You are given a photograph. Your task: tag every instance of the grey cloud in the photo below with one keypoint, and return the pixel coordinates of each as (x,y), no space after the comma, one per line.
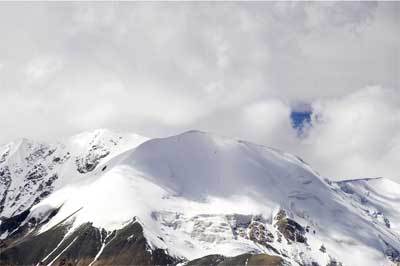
(160,68)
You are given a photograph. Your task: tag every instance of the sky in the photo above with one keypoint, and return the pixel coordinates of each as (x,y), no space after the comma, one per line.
(237,69)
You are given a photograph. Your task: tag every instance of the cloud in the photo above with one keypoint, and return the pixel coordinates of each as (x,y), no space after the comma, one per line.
(41,68)
(356,135)
(236,69)
(351,136)
(266,119)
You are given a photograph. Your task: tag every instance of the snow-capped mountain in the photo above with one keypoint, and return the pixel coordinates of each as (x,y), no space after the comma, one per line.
(30,171)
(104,198)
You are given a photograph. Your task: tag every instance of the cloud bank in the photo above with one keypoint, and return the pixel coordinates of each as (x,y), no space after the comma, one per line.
(236,69)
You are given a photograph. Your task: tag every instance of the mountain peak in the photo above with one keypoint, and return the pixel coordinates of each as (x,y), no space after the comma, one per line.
(195,194)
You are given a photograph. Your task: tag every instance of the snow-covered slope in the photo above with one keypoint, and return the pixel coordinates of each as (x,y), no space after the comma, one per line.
(197,194)
(30,171)
(378,198)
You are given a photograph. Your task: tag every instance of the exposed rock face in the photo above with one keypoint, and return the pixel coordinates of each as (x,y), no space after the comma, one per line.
(259,233)
(245,259)
(129,247)
(30,171)
(251,227)
(13,223)
(5,154)
(86,245)
(289,228)
(89,162)
(99,149)
(32,249)
(5,182)
(21,227)
(27,174)
(334,263)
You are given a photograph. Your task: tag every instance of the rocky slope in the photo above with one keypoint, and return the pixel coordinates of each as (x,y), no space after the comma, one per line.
(101,198)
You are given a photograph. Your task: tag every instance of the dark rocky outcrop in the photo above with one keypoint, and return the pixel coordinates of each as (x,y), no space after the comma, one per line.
(289,228)
(32,249)
(89,162)
(129,247)
(260,234)
(20,227)
(244,259)
(333,262)
(126,246)
(4,155)
(12,223)
(5,182)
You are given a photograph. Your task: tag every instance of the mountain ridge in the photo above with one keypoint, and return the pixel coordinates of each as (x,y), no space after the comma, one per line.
(196,194)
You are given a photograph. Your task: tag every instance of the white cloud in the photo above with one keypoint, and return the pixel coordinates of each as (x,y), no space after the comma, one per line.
(42,67)
(356,135)
(268,119)
(232,68)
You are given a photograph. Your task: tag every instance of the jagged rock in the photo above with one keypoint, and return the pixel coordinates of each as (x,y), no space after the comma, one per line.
(4,155)
(259,233)
(92,159)
(99,149)
(289,228)
(37,172)
(334,262)
(251,227)
(38,151)
(280,215)
(5,182)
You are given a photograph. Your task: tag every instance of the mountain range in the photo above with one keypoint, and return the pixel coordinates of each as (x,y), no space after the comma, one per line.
(110,198)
